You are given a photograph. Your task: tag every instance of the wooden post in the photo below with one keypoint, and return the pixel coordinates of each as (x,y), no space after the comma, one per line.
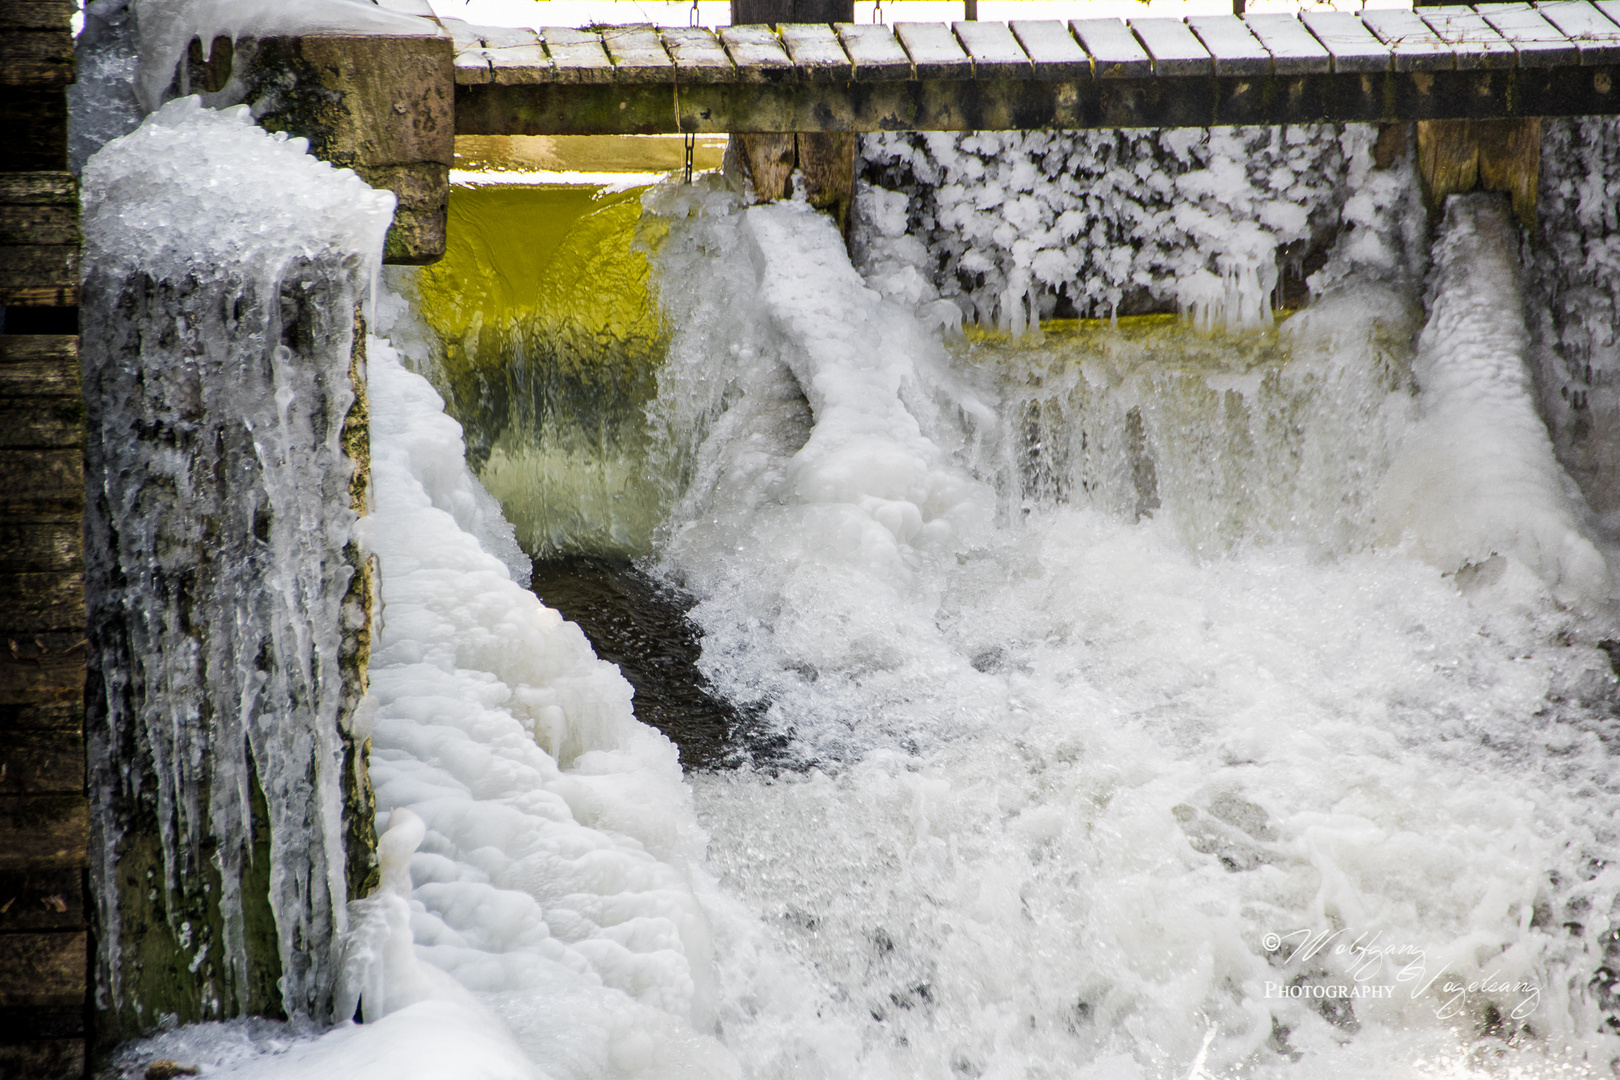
(1455,156)
(44,814)
(825,160)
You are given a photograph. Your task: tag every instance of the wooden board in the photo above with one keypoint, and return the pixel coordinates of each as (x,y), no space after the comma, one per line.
(1352,46)
(995,50)
(1415,46)
(876,54)
(758,54)
(577,55)
(1175,50)
(1596,37)
(1051,47)
(1235,50)
(43,831)
(638,55)
(934,51)
(1475,43)
(1115,53)
(1294,50)
(43,968)
(698,55)
(36,58)
(515,55)
(36,15)
(1535,41)
(816,53)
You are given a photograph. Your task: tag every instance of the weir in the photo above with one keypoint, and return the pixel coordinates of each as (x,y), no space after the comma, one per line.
(1041,632)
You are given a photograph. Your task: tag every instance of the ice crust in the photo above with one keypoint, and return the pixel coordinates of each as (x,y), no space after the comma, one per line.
(1006,223)
(222,270)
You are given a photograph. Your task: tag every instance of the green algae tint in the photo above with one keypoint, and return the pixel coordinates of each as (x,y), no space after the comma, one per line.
(550,346)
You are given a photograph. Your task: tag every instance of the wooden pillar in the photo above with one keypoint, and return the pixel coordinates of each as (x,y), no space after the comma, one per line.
(44,814)
(825,159)
(1455,156)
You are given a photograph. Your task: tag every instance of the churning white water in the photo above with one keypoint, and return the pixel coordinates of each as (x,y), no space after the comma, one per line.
(1162,704)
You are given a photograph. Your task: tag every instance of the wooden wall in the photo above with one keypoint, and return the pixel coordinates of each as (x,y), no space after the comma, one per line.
(44,815)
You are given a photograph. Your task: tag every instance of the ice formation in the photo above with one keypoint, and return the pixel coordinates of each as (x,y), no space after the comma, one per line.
(218,345)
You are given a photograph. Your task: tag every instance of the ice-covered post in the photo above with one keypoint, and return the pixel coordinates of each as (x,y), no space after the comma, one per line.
(825,159)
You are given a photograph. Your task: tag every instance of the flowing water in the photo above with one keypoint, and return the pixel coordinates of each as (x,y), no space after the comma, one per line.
(1146,698)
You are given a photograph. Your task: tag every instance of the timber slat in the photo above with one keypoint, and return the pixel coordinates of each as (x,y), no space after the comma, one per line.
(41,832)
(43,968)
(758,54)
(1174,48)
(42,899)
(1352,46)
(39,188)
(934,51)
(1536,42)
(577,55)
(39,763)
(638,56)
(44,1059)
(41,543)
(995,50)
(1115,52)
(39,275)
(1596,37)
(1416,47)
(37,223)
(1235,50)
(54,421)
(1294,50)
(515,55)
(41,601)
(36,15)
(40,349)
(816,53)
(41,477)
(1475,43)
(1052,49)
(699,56)
(877,56)
(36,58)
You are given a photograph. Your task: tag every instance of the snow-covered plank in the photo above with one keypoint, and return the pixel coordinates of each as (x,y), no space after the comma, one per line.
(995,51)
(638,56)
(1537,42)
(1416,47)
(758,54)
(1174,48)
(515,55)
(1052,48)
(934,50)
(1115,52)
(471,65)
(877,55)
(1294,50)
(1596,37)
(577,55)
(1235,50)
(1476,43)
(1611,8)
(697,54)
(1352,46)
(816,53)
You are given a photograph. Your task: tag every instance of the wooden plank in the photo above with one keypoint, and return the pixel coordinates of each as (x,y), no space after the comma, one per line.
(759,55)
(43,899)
(934,51)
(38,602)
(41,543)
(43,968)
(1352,46)
(638,56)
(41,422)
(41,349)
(1474,41)
(816,53)
(1294,50)
(515,55)
(995,50)
(1052,49)
(39,763)
(36,58)
(1115,53)
(1415,46)
(1235,50)
(36,15)
(43,1059)
(577,56)
(1536,42)
(34,223)
(42,681)
(42,477)
(471,65)
(1611,8)
(699,56)
(1596,37)
(1174,48)
(43,831)
(877,56)
(52,188)
(45,276)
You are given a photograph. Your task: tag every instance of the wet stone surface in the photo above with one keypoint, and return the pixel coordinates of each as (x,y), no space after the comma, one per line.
(640,624)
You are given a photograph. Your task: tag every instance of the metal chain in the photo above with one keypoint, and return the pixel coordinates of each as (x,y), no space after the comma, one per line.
(692,17)
(690,140)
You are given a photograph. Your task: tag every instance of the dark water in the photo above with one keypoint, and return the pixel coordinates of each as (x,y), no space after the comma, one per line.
(640,624)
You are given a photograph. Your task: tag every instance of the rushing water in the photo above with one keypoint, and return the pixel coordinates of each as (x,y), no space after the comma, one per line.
(1138,699)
